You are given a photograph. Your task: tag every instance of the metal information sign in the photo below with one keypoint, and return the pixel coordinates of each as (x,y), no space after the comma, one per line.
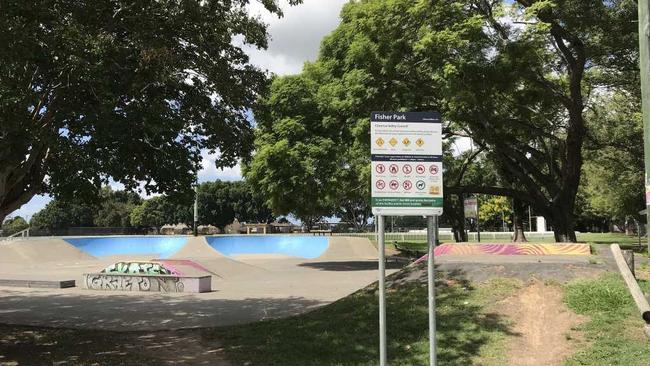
(406,159)
(471,208)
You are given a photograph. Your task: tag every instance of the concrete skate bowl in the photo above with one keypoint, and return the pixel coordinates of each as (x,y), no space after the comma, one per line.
(160,247)
(307,247)
(289,275)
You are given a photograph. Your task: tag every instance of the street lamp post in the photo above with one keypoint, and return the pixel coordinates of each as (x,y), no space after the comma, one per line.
(644,57)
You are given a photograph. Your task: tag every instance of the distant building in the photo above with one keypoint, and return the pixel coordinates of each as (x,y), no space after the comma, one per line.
(264,228)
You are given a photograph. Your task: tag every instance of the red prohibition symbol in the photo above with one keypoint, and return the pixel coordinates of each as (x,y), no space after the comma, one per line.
(380,168)
(420,169)
(380,184)
(394,185)
(407,185)
(393,169)
(433,169)
(407,169)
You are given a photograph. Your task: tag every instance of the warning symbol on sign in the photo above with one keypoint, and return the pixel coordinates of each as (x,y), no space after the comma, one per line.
(407,185)
(392,141)
(380,168)
(433,169)
(406,141)
(394,185)
(407,169)
(420,185)
(380,184)
(380,142)
(420,169)
(419,142)
(393,169)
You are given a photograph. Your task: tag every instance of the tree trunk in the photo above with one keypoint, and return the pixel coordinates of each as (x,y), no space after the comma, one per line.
(519,210)
(454,212)
(563,226)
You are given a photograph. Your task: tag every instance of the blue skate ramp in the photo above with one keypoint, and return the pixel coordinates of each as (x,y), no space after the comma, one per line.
(163,247)
(308,247)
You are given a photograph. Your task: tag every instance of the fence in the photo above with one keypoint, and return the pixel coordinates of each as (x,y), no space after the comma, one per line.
(445,236)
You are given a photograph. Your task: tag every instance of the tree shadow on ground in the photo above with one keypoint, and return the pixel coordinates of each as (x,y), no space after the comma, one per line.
(57,344)
(141,311)
(350,265)
(346,332)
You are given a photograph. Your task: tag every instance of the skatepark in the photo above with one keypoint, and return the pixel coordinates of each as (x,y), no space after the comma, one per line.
(252,278)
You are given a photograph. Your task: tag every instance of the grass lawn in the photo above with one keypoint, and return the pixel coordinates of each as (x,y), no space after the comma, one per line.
(614,333)
(346,332)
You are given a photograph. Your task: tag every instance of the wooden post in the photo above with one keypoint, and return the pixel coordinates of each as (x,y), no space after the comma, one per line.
(628,255)
(632,285)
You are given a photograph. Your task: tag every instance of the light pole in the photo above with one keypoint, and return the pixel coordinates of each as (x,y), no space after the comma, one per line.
(644,57)
(196,208)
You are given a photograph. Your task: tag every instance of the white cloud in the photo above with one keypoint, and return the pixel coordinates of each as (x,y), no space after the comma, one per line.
(209,171)
(296,37)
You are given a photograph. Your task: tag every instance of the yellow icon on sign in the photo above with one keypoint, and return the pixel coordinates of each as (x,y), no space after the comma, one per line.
(380,142)
(419,142)
(392,141)
(406,141)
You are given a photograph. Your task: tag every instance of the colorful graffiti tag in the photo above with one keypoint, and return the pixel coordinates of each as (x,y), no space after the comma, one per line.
(148,268)
(102,281)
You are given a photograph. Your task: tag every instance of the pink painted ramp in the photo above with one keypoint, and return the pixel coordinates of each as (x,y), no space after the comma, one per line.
(510,249)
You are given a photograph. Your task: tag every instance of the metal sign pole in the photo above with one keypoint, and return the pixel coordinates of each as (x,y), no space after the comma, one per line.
(432,225)
(382,292)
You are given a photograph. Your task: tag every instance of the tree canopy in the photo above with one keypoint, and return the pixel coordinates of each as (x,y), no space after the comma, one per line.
(515,77)
(128,90)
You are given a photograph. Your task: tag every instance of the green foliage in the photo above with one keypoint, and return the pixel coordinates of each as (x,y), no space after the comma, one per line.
(614,330)
(494,209)
(607,295)
(219,204)
(109,209)
(128,90)
(613,182)
(60,214)
(14,225)
(159,211)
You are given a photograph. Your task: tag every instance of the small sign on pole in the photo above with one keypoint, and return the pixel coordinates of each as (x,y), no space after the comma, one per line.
(406,157)
(471,208)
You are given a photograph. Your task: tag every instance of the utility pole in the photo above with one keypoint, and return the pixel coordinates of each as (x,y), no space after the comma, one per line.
(196,209)
(644,57)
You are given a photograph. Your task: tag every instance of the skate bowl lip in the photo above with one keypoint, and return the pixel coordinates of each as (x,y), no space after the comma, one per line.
(163,246)
(298,246)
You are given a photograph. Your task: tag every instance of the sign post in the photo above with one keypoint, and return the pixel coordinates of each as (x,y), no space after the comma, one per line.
(406,157)
(470,206)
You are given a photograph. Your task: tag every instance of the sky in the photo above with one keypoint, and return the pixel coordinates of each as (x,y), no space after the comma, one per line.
(295,39)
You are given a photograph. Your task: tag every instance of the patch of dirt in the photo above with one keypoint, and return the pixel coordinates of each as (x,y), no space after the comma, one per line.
(543,323)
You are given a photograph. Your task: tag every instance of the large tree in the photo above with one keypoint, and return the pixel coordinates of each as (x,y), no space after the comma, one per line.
(515,77)
(132,90)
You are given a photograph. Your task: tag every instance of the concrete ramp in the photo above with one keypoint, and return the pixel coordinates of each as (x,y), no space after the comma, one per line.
(196,247)
(346,248)
(41,251)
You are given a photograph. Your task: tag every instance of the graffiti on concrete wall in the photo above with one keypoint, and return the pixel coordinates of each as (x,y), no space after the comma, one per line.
(149,268)
(103,281)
